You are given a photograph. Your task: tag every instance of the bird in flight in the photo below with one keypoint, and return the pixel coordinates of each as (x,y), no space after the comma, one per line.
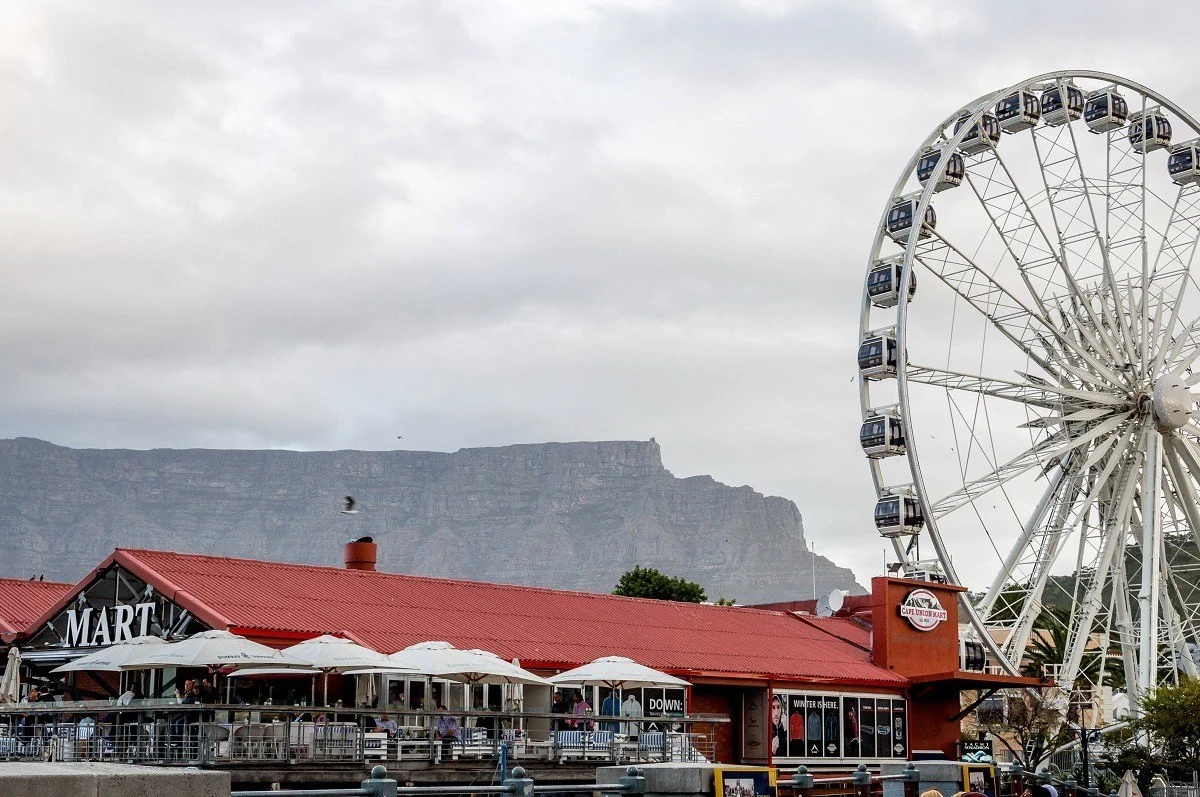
(349,506)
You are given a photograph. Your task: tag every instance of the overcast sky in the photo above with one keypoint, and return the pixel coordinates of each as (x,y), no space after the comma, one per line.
(323,225)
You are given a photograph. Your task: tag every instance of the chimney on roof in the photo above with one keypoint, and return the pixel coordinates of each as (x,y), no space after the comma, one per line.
(361,554)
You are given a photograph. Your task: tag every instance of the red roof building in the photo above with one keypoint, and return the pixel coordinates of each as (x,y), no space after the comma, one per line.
(797,687)
(22,602)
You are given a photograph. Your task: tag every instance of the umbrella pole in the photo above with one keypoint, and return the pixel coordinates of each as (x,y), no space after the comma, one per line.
(312,697)
(325,687)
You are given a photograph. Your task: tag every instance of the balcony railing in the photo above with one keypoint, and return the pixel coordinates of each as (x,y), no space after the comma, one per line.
(196,734)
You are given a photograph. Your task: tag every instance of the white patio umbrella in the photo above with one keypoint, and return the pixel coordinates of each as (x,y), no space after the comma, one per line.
(111,658)
(616,672)
(334,654)
(254,672)
(10,684)
(443,660)
(209,649)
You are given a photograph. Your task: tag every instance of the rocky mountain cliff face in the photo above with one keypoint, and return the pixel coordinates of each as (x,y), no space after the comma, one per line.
(572,515)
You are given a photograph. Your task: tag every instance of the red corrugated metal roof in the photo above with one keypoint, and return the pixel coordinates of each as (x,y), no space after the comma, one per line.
(855,632)
(22,602)
(549,629)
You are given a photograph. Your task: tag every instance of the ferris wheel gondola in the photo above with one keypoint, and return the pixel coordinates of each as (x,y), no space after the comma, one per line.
(884,280)
(1062,103)
(877,356)
(982,134)
(1045,375)
(900,218)
(1105,110)
(1149,130)
(1183,164)
(1019,111)
(950,177)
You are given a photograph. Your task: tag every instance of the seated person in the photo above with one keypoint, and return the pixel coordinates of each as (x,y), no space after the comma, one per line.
(386,724)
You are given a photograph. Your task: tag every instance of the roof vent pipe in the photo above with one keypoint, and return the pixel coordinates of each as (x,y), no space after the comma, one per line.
(361,554)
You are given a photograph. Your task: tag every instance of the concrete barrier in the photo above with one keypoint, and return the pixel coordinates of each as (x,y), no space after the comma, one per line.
(21,779)
(668,779)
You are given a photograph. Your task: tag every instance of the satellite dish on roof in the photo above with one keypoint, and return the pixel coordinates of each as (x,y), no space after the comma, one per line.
(836,600)
(823,608)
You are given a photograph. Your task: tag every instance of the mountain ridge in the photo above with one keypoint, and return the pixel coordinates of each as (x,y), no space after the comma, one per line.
(583,513)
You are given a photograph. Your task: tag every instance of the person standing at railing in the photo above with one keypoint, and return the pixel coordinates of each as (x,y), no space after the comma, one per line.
(446,730)
(189,695)
(557,706)
(581,707)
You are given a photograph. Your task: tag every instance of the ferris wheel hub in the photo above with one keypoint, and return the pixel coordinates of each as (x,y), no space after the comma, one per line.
(1173,402)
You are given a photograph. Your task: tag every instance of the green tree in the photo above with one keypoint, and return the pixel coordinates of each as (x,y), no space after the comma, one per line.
(646,582)
(1028,722)
(1171,714)
(1048,645)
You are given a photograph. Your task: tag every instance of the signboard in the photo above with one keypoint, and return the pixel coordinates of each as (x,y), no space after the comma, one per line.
(806,726)
(976,748)
(744,782)
(923,610)
(114,607)
(980,778)
(107,625)
(754,724)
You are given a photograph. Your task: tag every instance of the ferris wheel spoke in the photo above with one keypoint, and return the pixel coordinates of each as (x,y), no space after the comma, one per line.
(1042,453)
(1039,261)
(1002,583)
(1036,566)
(1011,316)
(1124,206)
(1173,263)
(1042,395)
(1183,498)
(1119,494)
(1081,242)
(1184,349)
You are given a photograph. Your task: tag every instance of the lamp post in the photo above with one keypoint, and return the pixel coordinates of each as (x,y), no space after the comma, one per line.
(1085,736)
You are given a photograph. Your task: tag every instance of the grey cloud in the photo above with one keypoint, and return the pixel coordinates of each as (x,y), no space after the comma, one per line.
(472,224)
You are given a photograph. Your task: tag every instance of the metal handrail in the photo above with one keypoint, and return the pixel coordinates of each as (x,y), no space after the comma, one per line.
(519,785)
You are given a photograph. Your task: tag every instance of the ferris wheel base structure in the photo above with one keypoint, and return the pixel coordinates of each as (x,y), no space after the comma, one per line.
(1044,371)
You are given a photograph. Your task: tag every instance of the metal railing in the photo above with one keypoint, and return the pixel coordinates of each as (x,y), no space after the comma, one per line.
(519,784)
(1172,790)
(862,783)
(205,735)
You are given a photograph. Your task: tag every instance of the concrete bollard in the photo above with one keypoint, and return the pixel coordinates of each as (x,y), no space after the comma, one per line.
(380,783)
(802,782)
(634,781)
(1016,779)
(862,781)
(912,780)
(519,785)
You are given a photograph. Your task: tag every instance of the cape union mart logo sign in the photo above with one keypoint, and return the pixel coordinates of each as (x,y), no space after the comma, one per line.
(923,610)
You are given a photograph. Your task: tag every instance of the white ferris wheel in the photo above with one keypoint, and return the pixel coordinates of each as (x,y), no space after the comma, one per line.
(1027,412)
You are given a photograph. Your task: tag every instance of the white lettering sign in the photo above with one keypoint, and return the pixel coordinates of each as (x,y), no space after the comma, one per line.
(96,627)
(669,706)
(78,625)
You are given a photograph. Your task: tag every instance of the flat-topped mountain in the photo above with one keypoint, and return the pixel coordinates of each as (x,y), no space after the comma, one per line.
(573,515)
